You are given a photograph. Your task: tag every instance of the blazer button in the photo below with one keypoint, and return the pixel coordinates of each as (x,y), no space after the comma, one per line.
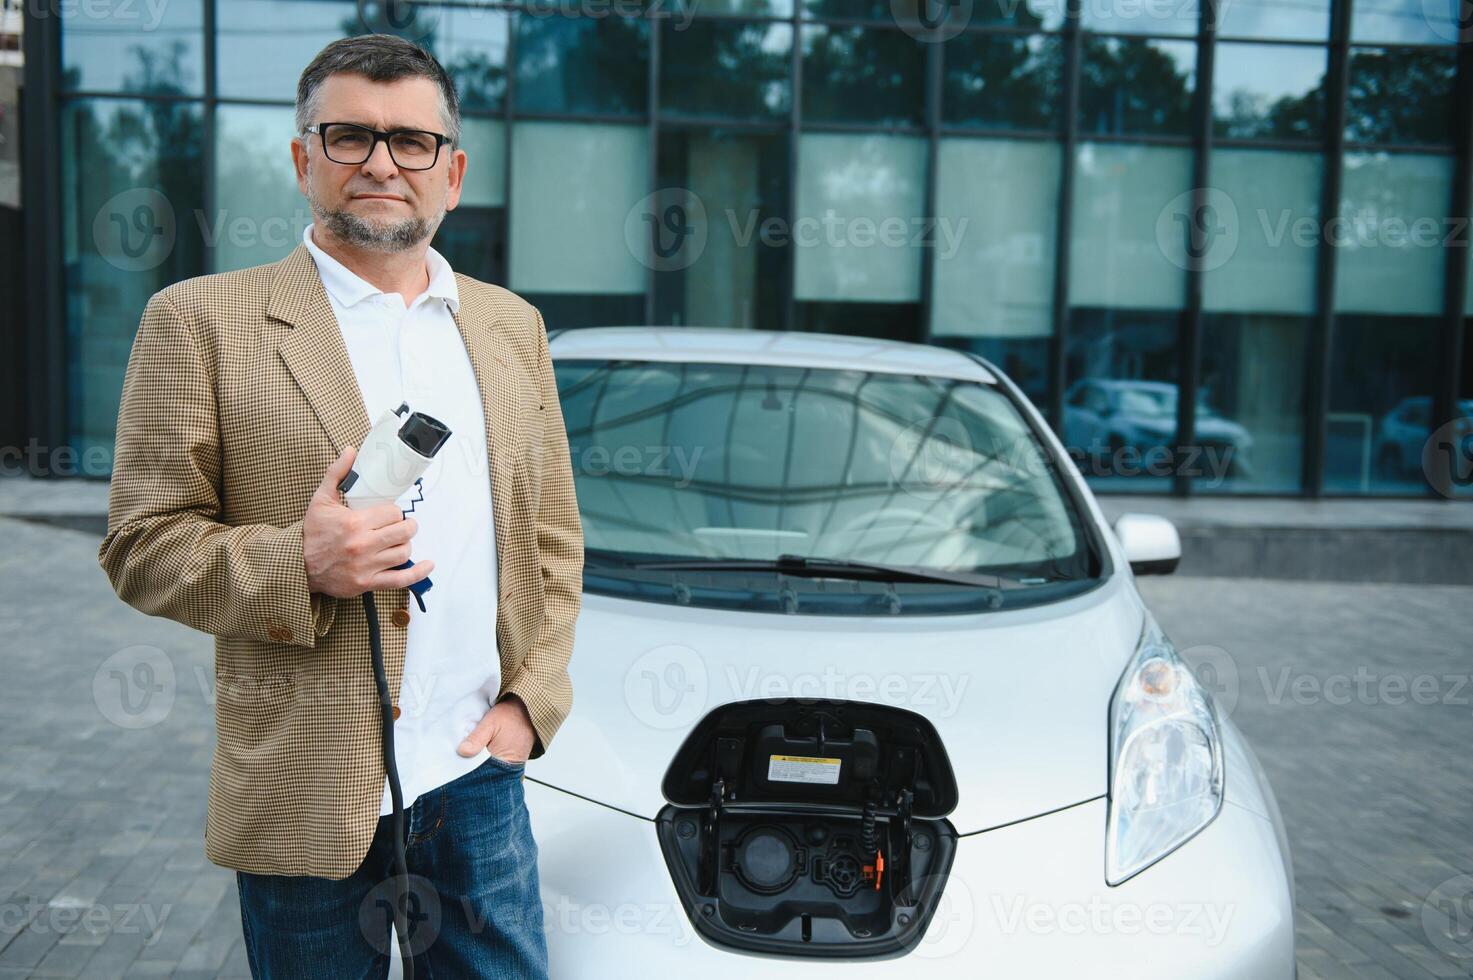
(400,617)
(396,712)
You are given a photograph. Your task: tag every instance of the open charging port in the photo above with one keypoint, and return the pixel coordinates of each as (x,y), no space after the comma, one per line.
(810,828)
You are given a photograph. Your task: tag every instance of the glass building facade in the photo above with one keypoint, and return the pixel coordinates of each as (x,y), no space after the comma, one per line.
(1223,245)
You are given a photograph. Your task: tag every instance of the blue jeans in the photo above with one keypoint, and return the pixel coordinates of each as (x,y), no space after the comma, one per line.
(474,902)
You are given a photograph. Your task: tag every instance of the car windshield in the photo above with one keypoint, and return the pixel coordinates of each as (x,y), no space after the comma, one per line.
(707,464)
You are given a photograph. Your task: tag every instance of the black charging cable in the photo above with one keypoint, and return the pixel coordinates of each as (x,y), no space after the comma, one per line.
(399,446)
(401,861)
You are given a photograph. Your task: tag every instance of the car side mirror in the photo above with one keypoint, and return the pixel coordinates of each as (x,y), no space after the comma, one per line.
(1150,543)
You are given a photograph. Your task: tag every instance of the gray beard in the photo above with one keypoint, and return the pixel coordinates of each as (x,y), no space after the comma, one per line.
(352,230)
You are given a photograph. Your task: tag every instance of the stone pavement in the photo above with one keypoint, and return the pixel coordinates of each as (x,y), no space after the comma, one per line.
(102,866)
(1357,700)
(102,870)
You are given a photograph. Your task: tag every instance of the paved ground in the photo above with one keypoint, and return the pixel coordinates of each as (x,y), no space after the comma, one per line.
(1356,698)
(1350,693)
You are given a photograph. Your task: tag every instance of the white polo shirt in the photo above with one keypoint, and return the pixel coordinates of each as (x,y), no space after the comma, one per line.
(452,673)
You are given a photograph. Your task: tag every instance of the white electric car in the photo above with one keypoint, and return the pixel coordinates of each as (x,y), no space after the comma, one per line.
(864,688)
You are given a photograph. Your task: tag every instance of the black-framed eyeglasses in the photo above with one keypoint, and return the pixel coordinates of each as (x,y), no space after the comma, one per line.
(352,144)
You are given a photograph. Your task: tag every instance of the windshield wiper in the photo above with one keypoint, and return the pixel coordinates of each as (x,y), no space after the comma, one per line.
(802,566)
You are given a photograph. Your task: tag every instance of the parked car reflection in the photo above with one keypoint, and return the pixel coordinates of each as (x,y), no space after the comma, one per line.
(1122,428)
(1402,433)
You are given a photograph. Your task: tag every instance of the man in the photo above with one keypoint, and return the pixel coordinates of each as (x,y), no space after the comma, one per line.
(245,396)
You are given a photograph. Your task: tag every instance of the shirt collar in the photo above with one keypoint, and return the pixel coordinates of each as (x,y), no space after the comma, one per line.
(442,279)
(348,288)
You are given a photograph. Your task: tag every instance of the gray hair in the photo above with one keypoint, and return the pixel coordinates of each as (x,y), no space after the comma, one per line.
(379,58)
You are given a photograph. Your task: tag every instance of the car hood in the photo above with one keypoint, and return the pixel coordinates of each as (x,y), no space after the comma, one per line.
(1020,697)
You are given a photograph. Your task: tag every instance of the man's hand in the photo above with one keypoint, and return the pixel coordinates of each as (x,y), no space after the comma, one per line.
(349,552)
(505,731)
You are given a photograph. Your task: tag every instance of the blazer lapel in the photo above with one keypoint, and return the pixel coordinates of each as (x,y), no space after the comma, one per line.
(314,350)
(493,366)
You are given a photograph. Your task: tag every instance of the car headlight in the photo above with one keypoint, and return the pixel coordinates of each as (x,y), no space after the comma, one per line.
(1165,758)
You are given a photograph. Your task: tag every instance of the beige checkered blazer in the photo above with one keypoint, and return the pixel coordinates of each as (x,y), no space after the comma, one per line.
(238,396)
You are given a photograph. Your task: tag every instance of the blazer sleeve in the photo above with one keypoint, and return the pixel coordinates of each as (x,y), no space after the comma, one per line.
(542,681)
(165,552)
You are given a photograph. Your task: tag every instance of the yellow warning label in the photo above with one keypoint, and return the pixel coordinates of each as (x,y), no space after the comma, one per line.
(803,769)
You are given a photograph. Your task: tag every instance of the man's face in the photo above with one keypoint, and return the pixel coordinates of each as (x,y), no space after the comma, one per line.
(376,204)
